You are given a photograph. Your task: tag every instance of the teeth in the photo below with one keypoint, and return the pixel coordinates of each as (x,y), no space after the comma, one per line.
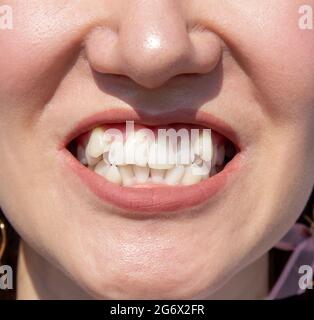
(141,174)
(184,154)
(141,159)
(116,153)
(203,145)
(161,155)
(98,143)
(101,168)
(157,175)
(91,161)
(127,175)
(174,175)
(201,168)
(141,155)
(113,175)
(190,177)
(136,149)
(130,147)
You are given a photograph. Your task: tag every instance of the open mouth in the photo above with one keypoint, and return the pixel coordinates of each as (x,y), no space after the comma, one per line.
(144,166)
(137,156)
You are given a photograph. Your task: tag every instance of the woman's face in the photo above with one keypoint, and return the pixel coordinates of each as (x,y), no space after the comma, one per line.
(243,67)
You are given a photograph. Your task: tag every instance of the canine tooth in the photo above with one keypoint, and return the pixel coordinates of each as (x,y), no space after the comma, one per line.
(189,177)
(101,168)
(157,175)
(91,161)
(81,154)
(113,175)
(174,175)
(127,175)
(141,174)
(220,155)
(96,144)
(116,153)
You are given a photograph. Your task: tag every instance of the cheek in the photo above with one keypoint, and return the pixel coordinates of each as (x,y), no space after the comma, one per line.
(35,54)
(277,56)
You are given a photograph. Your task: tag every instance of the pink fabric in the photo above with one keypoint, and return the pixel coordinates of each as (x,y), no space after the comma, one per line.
(300,240)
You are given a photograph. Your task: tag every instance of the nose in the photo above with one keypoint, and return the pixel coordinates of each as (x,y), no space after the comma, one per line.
(152,43)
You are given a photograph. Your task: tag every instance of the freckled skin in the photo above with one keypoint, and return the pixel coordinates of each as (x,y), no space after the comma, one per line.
(254,68)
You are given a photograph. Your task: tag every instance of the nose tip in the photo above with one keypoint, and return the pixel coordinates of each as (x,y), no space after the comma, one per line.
(151,50)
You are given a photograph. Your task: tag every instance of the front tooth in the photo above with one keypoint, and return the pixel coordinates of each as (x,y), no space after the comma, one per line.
(81,155)
(141,155)
(113,175)
(141,174)
(203,145)
(97,143)
(101,168)
(157,175)
(116,153)
(127,175)
(130,147)
(220,155)
(174,175)
(160,157)
(189,177)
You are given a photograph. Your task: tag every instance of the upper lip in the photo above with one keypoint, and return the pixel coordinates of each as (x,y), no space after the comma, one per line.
(115,115)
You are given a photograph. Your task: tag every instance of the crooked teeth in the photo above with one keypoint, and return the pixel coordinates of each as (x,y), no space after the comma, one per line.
(91,161)
(141,160)
(116,153)
(98,143)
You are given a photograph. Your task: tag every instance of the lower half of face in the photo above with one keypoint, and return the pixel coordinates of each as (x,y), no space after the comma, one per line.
(115,252)
(141,230)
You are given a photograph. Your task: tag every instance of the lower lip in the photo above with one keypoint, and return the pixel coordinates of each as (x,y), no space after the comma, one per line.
(154,199)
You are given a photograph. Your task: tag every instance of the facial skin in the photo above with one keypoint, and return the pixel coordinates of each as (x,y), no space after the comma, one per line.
(61,64)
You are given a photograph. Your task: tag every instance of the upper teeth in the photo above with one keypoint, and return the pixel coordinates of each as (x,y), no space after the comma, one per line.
(140,159)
